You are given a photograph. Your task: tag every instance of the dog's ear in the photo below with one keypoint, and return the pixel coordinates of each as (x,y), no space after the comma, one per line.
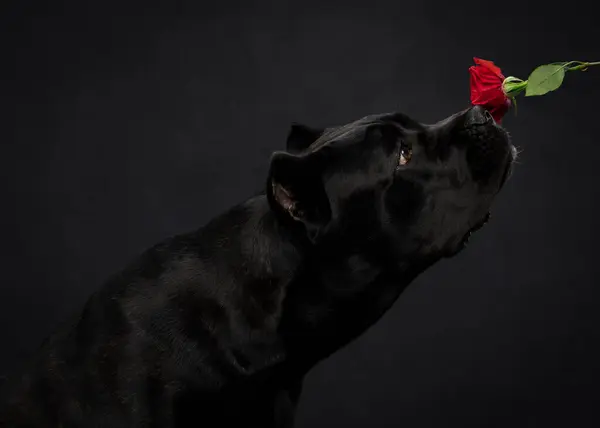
(295,190)
(301,136)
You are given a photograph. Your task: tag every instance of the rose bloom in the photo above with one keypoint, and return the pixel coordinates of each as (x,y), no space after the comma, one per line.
(486,88)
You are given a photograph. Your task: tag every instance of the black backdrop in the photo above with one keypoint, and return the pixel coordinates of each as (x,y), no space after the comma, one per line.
(124,123)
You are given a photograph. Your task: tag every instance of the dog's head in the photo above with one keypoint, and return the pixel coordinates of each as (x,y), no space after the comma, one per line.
(391,184)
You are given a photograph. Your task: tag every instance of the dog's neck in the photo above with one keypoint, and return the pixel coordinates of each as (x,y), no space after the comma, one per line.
(327,299)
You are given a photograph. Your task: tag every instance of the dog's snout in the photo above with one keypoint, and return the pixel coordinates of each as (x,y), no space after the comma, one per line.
(478,116)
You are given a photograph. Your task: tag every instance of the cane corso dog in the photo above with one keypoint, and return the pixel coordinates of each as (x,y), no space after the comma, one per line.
(218,327)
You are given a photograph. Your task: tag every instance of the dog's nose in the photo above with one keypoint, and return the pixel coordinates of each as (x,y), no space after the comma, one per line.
(478,116)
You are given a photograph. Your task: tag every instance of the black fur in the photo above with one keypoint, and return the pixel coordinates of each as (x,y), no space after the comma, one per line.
(216,328)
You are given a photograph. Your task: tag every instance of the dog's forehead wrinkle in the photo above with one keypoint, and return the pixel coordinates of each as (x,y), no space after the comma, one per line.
(404,121)
(340,132)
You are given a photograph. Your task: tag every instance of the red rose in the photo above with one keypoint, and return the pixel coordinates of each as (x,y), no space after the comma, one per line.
(486,88)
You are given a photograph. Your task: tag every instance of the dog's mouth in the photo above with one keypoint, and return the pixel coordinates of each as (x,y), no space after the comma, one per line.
(490,158)
(474,229)
(509,167)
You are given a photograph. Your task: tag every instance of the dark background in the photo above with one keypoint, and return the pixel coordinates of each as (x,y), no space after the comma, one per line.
(124,123)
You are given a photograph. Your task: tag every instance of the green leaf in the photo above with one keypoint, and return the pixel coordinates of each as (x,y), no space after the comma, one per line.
(544,79)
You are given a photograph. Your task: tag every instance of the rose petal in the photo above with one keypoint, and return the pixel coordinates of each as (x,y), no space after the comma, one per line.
(485,75)
(486,81)
(492,96)
(484,88)
(490,66)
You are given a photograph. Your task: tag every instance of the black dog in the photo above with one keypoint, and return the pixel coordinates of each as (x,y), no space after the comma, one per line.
(217,328)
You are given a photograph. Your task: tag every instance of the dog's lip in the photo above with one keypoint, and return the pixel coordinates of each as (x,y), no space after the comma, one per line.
(505,174)
(508,169)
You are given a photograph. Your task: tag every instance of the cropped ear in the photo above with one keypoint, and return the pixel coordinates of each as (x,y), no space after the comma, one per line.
(295,190)
(301,136)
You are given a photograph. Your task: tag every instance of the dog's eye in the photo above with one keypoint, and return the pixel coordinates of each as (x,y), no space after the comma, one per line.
(405,153)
